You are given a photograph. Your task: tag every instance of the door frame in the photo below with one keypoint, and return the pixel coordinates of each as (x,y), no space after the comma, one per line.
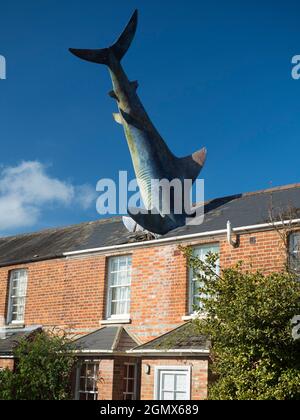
(178,368)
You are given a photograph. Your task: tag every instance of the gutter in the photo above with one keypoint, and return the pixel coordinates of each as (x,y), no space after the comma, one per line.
(31,260)
(241,229)
(168,351)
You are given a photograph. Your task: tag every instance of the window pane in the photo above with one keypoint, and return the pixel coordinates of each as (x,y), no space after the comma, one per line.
(295,252)
(181,382)
(120,293)
(168,382)
(201,253)
(180,396)
(119,281)
(90,384)
(130,383)
(125,262)
(15,274)
(87,386)
(167,395)
(114,279)
(123,278)
(131,371)
(18,286)
(83,369)
(82,384)
(119,308)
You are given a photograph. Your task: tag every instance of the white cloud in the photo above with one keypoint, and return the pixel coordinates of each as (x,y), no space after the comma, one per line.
(26,190)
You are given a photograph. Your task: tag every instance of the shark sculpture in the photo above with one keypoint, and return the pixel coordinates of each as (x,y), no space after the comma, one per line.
(151,157)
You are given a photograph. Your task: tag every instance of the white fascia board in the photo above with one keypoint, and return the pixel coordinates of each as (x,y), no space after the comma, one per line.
(177,351)
(241,229)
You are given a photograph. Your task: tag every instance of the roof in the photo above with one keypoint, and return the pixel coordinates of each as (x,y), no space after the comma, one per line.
(106,339)
(9,339)
(241,209)
(184,338)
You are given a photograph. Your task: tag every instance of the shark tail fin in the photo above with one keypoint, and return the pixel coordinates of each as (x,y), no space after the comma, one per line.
(190,166)
(119,49)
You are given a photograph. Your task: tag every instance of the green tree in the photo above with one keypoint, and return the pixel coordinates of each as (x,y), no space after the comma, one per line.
(6,384)
(247,316)
(43,368)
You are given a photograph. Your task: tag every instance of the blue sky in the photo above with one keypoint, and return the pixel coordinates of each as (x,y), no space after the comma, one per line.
(211,73)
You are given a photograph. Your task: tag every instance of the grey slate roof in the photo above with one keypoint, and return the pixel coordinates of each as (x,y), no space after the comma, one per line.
(112,338)
(241,210)
(9,339)
(185,337)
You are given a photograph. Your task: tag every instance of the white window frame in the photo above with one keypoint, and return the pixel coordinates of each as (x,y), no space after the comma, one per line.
(11,297)
(126,378)
(109,314)
(209,248)
(157,378)
(95,392)
(293,251)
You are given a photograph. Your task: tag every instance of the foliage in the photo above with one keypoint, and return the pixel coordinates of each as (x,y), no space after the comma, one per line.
(248,319)
(6,384)
(44,364)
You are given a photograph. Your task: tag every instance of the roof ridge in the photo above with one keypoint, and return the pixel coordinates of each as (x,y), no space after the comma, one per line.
(273,189)
(114,219)
(251,193)
(117,338)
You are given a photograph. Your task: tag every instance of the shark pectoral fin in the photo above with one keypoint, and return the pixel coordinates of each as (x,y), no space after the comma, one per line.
(152,220)
(118,118)
(131,120)
(113,95)
(190,166)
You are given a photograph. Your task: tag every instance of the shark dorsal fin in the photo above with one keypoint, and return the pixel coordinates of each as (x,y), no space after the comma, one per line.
(134,84)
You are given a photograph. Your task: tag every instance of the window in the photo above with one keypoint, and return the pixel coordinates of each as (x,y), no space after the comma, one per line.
(87,380)
(294,252)
(172,383)
(201,252)
(17,296)
(119,280)
(129,389)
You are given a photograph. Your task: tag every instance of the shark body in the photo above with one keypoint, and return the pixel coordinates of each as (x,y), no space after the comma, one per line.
(151,157)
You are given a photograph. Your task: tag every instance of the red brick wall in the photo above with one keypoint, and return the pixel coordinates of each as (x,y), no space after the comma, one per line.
(106,379)
(199,376)
(71,293)
(267,254)
(7,363)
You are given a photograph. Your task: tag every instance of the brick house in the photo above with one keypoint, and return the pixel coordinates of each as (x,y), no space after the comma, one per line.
(126,298)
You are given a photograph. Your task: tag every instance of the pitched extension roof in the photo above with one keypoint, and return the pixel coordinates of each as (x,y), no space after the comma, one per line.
(241,209)
(9,339)
(185,338)
(107,340)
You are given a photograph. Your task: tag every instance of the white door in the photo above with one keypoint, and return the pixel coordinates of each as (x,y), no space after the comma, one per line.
(172,383)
